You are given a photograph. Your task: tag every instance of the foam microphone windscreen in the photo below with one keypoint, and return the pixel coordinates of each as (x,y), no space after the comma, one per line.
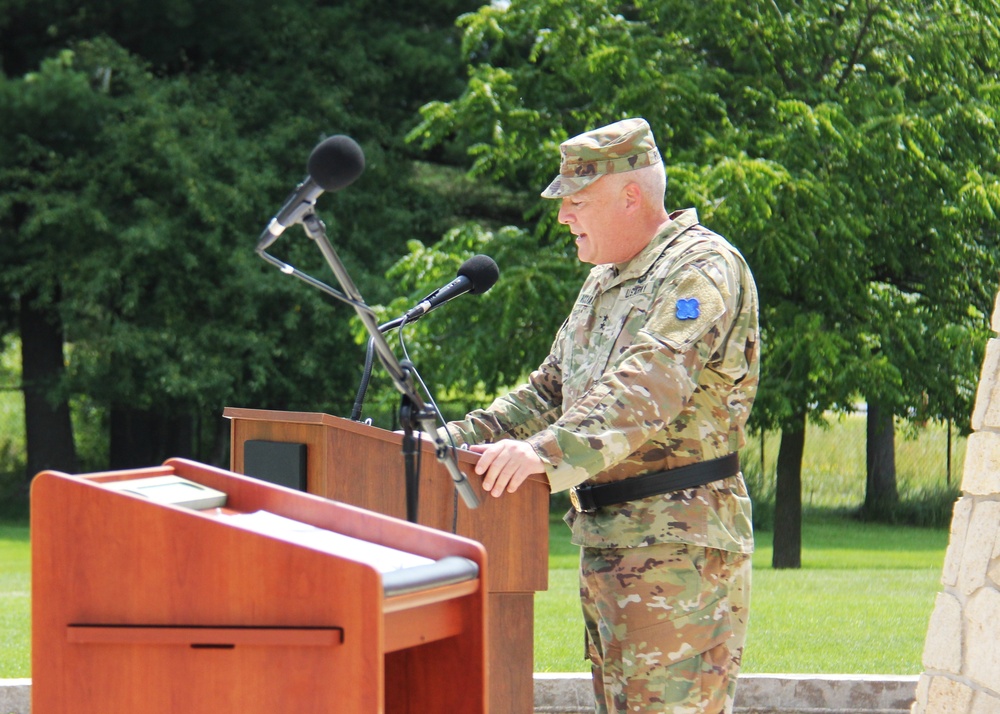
(482,272)
(336,162)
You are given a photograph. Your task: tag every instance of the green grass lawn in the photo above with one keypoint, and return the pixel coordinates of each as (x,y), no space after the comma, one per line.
(860,604)
(15,601)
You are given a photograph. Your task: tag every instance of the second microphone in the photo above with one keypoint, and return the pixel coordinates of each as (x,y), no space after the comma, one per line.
(476,275)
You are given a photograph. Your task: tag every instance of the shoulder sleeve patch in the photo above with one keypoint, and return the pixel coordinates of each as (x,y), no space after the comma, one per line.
(686,309)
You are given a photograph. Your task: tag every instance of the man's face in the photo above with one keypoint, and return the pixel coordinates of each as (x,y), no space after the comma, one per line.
(593,214)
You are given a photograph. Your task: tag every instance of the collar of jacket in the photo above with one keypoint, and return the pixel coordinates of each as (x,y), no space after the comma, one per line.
(612,274)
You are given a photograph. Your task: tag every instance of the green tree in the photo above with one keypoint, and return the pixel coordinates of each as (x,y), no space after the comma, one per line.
(848,149)
(167,137)
(48,114)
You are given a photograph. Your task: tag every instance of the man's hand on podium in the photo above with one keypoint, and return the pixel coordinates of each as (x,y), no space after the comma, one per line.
(506,464)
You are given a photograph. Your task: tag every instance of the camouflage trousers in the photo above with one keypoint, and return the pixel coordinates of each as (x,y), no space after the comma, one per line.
(666,625)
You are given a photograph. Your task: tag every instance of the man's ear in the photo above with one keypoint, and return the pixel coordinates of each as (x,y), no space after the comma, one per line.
(633,195)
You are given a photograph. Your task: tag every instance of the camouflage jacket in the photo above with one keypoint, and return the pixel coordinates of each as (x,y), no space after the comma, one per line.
(656,367)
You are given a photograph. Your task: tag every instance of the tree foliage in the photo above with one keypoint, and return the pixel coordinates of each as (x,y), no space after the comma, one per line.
(832,142)
(143,149)
(848,148)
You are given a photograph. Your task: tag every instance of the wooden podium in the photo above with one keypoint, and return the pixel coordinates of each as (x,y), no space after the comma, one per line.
(144,606)
(362,465)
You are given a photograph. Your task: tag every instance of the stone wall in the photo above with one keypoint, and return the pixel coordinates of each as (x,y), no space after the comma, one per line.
(962,650)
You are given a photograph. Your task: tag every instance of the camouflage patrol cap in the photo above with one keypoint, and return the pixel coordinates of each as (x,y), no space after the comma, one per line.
(626,145)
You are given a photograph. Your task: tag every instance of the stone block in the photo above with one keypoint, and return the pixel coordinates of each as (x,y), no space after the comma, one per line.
(947,696)
(994,570)
(986,413)
(981,473)
(980,541)
(982,646)
(943,647)
(920,697)
(995,322)
(985,703)
(960,516)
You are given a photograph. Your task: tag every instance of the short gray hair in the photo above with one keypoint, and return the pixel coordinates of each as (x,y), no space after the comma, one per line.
(652,180)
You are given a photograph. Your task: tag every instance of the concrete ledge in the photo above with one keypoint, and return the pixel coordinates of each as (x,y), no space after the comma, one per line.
(15,696)
(757,694)
(826,693)
(760,694)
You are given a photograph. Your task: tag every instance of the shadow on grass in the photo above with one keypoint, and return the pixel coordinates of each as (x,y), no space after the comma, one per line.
(836,539)
(15,531)
(832,538)
(14,502)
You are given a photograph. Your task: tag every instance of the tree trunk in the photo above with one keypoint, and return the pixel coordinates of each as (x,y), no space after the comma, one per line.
(880,488)
(142,438)
(788,496)
(47,424)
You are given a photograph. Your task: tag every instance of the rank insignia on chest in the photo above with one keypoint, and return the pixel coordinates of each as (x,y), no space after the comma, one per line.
(688,309)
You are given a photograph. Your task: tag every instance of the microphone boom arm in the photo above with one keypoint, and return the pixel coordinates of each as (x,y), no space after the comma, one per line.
(304,277)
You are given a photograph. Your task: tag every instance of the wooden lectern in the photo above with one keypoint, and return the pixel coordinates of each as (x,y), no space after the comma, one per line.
(140,605)
(362,465)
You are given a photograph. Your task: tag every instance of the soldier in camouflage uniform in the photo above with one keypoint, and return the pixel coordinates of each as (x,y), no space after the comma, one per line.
(655,368)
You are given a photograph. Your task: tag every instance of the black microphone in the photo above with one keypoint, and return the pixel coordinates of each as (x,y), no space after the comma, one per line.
(476,275)
(334,164)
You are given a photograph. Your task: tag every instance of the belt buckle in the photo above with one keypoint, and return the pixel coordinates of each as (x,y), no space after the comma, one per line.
(574,498)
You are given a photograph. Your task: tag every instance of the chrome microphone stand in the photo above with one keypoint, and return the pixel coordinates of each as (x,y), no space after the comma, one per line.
(414,413)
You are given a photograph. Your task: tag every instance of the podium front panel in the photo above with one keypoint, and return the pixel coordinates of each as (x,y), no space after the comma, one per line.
(142,606)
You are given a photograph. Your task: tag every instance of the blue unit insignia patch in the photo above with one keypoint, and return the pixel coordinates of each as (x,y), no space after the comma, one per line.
(688,309)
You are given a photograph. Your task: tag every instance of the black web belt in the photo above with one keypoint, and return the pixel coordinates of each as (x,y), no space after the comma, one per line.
(587,498)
